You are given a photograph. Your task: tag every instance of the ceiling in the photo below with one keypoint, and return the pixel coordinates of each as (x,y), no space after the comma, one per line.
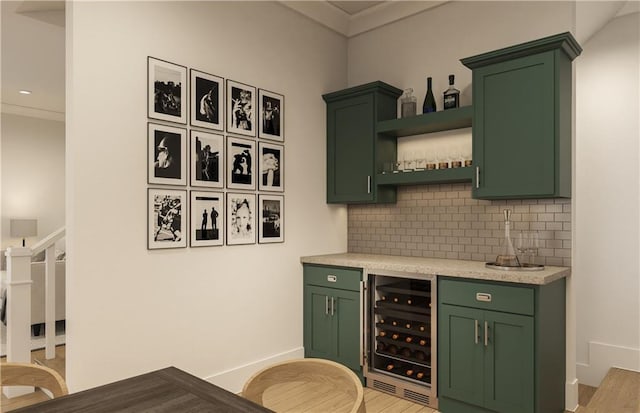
(33,40)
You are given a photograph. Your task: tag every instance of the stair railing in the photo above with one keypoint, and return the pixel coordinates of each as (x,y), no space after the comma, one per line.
(18,309)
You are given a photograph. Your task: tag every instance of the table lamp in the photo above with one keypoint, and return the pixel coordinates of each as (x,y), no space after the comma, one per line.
(22,228)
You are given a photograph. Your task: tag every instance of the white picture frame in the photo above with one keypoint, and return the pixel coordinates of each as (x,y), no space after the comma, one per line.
(166,218)
(207,227)
(166,91)
(241,218)
(166,155)
(271,218)
(207,159)
(241,107)
(271,115)
(207,100)
(271,172)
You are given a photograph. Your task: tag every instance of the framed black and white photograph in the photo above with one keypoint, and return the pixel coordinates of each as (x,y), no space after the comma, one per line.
(207,100)
(167,155)
(166,90)
(241,155)
(207,159)
(167,218)
(241,218)
(271,110)
(271,158)
(207,219)
(271,220)
(241,105)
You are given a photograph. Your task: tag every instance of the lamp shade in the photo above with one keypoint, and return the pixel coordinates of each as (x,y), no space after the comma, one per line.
(21,228)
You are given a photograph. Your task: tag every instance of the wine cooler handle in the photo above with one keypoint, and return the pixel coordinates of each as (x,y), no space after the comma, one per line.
(363,289)
(486,334)
(368,184)
(476,332)
(333,305)
(477,177)
(326,305)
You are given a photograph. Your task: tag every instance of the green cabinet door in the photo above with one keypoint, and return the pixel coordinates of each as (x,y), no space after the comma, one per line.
(509,363)
(332,316)
(460,354)
(513,135)
(346,319)
(350,151)
(318,331)
(355,152)
(522,97)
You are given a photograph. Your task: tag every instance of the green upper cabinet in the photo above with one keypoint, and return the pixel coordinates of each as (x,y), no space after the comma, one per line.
(522,119)
(353,147)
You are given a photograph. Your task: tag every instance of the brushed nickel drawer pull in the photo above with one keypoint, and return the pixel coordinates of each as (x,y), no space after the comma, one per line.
(476,332)
(326,305)
(332,278)
(477,177)
(486,334)
(486,297)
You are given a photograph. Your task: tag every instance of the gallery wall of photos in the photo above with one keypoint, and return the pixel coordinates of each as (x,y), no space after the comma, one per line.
(215,160)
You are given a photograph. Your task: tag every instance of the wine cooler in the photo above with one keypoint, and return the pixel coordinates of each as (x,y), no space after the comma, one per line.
(401,336)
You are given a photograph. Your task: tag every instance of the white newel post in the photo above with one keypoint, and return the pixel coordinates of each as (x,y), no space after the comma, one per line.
(18,312)
(50,302)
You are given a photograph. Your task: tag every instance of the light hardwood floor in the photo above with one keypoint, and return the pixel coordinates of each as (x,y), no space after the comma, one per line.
(296,398)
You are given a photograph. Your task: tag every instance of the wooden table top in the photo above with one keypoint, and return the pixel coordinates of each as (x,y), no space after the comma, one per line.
(169,390)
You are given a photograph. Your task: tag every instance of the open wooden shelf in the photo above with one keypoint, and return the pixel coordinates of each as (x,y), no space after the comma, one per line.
(438,176)
(427,123)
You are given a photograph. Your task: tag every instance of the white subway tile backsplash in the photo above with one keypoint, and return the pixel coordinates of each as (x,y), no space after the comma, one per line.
(443,221)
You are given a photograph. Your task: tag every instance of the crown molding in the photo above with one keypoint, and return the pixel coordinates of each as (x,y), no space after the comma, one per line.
(32,112)
(364,21)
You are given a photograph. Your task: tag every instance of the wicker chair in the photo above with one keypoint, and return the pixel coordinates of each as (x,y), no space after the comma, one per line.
(26,374)
(330,384)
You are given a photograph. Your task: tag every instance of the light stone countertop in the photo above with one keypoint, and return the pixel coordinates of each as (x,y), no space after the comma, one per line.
(437,266)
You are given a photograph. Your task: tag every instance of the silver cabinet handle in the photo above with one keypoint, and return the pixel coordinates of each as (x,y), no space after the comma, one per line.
(326,305)
(369,184)
(333,305)
(476,332)
(486,334)
(486,297)
(477,177)
(363,289)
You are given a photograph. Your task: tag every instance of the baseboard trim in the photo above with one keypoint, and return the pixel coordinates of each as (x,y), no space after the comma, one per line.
(571,395)
(602,357)
(233,379)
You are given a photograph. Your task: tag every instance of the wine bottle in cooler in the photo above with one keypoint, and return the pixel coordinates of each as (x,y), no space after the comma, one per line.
(429,104)
(451,95)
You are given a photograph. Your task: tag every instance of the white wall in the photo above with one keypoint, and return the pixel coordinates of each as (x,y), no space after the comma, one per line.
(209,311)
(607,270)
(33,184)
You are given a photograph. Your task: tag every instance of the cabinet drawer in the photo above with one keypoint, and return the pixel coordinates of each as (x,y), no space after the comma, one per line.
(333,277)
(488,296)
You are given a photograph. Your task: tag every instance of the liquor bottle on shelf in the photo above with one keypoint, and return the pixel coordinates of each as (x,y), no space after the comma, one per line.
(408,326)
(422,327)
(407,104)
(419,355)
(419,375)
(395,336)
(391,349)
(409,301)
(409,372)
(381,320)
(406,352)
(382,333)
(390,367)
(394,323)
(423,342)
(451,95)
(383,297)
(409,339)
(395,299)
(429,104)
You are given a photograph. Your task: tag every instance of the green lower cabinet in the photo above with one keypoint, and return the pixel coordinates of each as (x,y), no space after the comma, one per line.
(497,353)
(332,316)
